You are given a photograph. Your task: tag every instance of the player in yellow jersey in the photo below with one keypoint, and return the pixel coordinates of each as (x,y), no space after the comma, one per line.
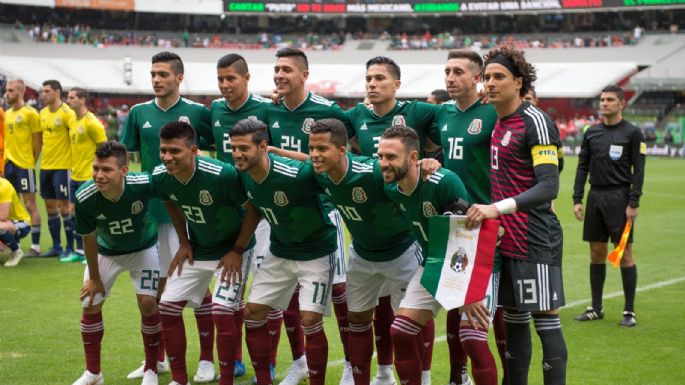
(23,141)
(55,119)
(2,142)
(86,134)
(14,221)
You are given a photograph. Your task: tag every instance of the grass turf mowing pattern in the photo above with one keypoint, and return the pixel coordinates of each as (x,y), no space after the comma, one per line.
(40,340)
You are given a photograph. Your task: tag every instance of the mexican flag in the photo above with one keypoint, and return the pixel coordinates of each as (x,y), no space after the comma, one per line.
(459,261)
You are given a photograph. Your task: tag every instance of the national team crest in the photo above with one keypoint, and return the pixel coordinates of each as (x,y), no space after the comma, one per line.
(459,261)
(506,139)
(398,120)
(429,210)
(184,119)
(80,130)
(19,119)
(475,127)
(358,195)
(137,207)
(280,199)
(58,121)
(206,198)
(307,125)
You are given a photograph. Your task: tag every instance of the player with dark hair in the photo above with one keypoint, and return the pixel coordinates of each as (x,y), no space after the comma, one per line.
(23,142)
(141,134)
(289,123)
(302,250)
(613,154)
(463,127)
(438,96)
(86,134)
(214,221)
(119,235)
(524,177)
(56,119)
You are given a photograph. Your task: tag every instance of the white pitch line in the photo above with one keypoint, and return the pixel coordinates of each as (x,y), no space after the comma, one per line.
(615,294)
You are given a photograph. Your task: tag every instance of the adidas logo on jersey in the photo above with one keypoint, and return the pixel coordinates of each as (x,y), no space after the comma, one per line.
(101,217)
(276,125)
(147,125)
(173,197)
(217,124)
(363,127)
(444,128)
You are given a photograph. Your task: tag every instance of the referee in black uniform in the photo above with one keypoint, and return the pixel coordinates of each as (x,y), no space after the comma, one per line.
(613,153)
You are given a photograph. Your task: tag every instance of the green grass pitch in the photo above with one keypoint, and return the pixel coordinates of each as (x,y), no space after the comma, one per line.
(40,341)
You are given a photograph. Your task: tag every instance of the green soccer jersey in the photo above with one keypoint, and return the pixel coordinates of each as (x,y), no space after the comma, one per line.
(122,226)
(379,231)
(289,129)
(211,202)
(465,139)
(289,199)
(368,127)
(142,134)
(224,118)
(429,198)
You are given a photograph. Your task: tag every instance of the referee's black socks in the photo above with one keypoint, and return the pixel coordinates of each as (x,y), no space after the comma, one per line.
(629,277)
(598,274)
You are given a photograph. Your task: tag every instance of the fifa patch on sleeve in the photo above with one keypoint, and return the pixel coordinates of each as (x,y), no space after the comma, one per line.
(545,155)
(643,148)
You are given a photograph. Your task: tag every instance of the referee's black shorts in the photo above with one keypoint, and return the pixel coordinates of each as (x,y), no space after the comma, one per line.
(605,215)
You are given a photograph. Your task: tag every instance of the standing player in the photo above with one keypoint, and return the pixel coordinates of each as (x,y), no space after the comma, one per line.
(14,222)
(524,178)
(463,127)
(23,142)
(56,119)
(236,104)
(384,254)
(398,155)
(532,98)
(142,134)
(302,250)
(613,154)
(289,123)
(119,235)
(86,134)
(204,196)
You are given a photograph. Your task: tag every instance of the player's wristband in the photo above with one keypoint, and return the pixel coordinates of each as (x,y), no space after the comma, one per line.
(238,249)
(506,206)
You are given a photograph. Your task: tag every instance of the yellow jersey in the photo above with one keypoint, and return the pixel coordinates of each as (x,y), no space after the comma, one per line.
(55,126)
(2,141)
(20,125)
(86,134)
(9,195)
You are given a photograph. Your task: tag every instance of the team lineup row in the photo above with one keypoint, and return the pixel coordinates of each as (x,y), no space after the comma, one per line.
(503,152)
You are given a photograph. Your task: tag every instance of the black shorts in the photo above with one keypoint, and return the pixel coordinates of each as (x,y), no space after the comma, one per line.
(529,286)
(23,180)
(605,215)
(54,184)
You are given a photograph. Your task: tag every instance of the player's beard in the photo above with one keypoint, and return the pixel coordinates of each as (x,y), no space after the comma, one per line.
(247,163)
(398,173)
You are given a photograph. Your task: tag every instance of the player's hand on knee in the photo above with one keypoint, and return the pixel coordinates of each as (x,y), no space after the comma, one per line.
(477,314)
(578,211)
(90,288)
(185,251)
(232,271)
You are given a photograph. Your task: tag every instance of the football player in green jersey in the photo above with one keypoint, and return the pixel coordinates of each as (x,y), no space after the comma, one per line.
(398,156)
(214,220)
(118,235)
(289,124)
(463,127)
(303,243)
(142,134)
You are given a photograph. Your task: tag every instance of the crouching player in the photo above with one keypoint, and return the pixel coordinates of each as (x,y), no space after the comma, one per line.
(118,235)
(14,222)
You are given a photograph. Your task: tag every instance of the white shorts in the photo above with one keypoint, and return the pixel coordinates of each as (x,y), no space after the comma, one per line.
(276,279)
(167,246)
(262,242)
(194,280)
(417,297)
(340,266)
(490,299)
(366,280)
(142,267)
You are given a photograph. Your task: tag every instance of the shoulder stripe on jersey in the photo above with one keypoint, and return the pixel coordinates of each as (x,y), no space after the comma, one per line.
(320,100)
(159,170)
(540,124)
(284,172)
(209,165)
(285,166)
(218,100)
(260,99)
(191,102)
(138,182)
(143,104)
(361,168)
(209,170)
(129,176)
(87,193)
